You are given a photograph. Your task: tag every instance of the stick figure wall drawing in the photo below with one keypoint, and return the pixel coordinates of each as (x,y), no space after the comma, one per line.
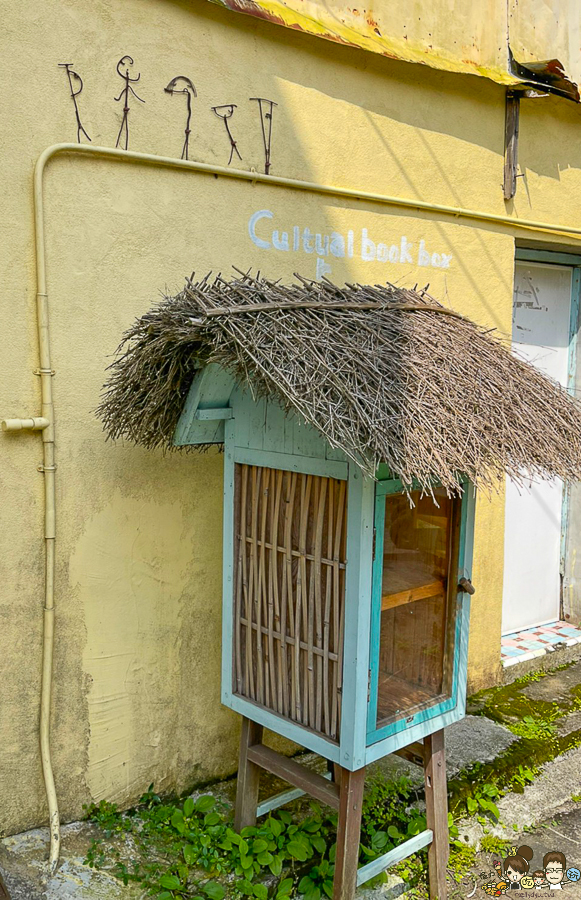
(225,112)
(125,62)
(266,124)
(183,85)
(75,80)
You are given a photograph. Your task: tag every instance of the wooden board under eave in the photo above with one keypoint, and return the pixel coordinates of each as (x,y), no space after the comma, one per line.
(264,425)
(211,389)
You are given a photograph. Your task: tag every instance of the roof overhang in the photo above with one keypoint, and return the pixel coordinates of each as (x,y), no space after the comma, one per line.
(446,36)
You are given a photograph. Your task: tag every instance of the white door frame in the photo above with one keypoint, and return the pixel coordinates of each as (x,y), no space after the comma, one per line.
(573,262)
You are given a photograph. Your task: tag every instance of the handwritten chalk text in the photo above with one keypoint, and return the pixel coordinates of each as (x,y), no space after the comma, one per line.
(361,244)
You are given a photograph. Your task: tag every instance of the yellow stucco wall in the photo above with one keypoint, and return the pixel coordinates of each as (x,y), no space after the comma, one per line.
(139,544)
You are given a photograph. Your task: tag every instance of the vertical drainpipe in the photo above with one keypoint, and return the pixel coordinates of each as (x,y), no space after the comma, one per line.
(45,424)
(48,468)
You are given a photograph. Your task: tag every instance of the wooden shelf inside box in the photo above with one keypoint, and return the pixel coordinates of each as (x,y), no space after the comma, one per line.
(407,578)
(410,595)
(397,695)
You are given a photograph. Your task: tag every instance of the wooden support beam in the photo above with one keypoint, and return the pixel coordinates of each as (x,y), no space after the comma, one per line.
(4,895)
(308,781)
(414,753)
(281,799)
(248,776)
(210,415)
(348,833)
(511,128)
(436,812)
(346,796)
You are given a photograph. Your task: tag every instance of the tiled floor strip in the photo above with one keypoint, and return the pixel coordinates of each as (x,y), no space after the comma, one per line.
(533,642)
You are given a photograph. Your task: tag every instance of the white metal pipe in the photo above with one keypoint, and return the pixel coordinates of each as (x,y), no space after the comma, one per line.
(293,183)
(34,424)
(46,373)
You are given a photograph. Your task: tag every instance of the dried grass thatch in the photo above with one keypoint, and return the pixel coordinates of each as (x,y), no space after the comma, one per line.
(386,374)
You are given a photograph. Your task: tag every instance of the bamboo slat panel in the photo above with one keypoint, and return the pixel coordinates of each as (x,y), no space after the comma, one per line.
(290,539)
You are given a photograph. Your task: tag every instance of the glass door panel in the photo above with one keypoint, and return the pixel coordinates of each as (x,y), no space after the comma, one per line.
(416,627)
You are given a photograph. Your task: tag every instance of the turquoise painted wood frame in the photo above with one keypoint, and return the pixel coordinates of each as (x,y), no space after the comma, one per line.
(258,432)
(455,703)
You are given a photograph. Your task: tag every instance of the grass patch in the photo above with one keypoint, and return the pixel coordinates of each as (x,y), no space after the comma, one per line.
(188,849)
(535,723)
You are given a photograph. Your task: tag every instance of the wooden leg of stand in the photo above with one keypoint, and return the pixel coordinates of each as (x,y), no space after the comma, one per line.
(335,771)
(4,895)
(348,833)
(437,812)
(248,776)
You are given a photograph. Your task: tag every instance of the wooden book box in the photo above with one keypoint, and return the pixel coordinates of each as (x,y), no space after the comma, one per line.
(345,614)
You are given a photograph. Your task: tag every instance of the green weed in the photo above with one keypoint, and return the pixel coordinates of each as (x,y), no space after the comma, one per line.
(492,844)
(535,728)
(190,850)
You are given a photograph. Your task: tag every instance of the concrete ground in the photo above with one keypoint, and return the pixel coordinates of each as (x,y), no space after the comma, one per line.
(544,816)
(22,862)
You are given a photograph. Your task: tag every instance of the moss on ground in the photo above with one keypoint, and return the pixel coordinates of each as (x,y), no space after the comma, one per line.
(535,723)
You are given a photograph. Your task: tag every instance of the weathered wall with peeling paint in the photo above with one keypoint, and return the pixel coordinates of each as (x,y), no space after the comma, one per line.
(139,547)
(471,38)
(444,34)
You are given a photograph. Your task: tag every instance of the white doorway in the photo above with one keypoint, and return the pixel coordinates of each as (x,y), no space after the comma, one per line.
(533,518)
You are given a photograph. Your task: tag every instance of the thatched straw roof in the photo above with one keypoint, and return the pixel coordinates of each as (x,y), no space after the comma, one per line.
(386,374)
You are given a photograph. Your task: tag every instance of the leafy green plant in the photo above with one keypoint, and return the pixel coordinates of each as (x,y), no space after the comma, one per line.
(96,855)
(461,860)
(388,818)
(284,889)
(482,797)
(197,837)
(534,728)
(149,799)
(176,885)
(318,881)
(413,871)
(107,816)
(453,832)
(387,804)
(185,850)
(531,677)
(523,776)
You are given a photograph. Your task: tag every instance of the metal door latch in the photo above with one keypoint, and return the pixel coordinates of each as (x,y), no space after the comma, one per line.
(466,585)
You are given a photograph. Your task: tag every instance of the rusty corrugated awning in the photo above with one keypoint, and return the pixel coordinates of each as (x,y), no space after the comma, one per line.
(449,35)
